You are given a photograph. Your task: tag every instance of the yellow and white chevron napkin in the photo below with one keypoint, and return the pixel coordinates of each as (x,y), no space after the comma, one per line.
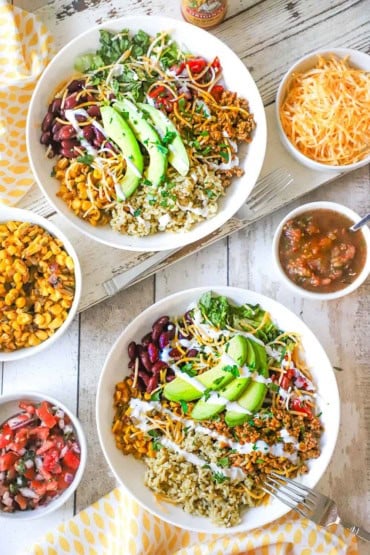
(117,525)
(25,49)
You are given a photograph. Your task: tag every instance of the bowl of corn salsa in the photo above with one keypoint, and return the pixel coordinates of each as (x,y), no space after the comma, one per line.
(40,283)
(42,455)
(317,255)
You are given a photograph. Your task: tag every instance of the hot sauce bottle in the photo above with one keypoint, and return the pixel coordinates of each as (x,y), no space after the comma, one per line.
(204,13)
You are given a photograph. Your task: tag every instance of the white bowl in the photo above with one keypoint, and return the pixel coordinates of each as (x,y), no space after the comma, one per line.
(130,472)
(237,78)
(357,59)
(9,407)
(323,205)
(20,215)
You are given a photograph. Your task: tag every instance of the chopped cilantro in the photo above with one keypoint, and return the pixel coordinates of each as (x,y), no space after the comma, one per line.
(184,406)
(181,104)
(219,477)
(210,194)
(147,182)
(204,134)
(260,461)
(251,422)
(273,387)
(318,415)
(207,393)
(224,155)
(53,173)
(186,429)
(151,201)
(206,466)
(153,433)
(137,212)
(86,159)
(162,148)
(188,369)
(224,462)
(164,203)
(254,447)
(169,137)
(233,369)
(218,380)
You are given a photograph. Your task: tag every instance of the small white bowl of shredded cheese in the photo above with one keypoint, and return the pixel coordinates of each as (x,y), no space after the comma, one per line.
(323,109)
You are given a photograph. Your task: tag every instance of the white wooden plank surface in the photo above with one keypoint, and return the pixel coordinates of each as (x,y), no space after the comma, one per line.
(269,35)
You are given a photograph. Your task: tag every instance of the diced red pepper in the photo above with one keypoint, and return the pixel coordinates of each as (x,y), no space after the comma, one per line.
(41,432)
(6,436)
(154,93)
(286,381)
(51,462)
(216,92)
(7,461)
(49,444)
(52,485)
(216,64)
(27,407)
(38,487)
(196,65)
(298,406)
(30,473)
(71,460)
(62,483)
(45,414)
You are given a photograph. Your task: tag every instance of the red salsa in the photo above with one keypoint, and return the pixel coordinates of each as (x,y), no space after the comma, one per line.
(318,252)
(39,456)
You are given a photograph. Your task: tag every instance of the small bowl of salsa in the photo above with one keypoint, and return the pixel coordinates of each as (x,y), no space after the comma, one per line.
(316,253)
(42,455)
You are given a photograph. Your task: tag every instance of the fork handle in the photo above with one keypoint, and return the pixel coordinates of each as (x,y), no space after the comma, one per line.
(357,531)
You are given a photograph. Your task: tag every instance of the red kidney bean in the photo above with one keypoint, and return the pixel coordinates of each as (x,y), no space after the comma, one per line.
(164,339)
(67,132)
(188,317)
(171,332)
(153,352)
(45,138)
(75,85)
(153,384)
(131,364)
(162,321)
(70,102)
(88,133)
(192,353)
(68,153)
(175,353)
(94,111)
(170,377)
(131,349)
(51,153)
(47,122)
(158,366)
(80,119)
(156,332)
(69,144)
(140,349)
(56,106)
(99,137)
(145,360)
(144,376)
(141,385)
(146,339)
(183,336)
(56,127)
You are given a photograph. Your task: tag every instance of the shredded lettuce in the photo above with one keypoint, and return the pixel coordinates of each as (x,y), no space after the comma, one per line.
(221,313)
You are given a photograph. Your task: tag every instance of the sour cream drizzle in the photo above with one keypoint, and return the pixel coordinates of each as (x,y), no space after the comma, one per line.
(140,408)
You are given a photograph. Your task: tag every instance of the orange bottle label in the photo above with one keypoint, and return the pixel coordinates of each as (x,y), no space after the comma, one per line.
(204,13)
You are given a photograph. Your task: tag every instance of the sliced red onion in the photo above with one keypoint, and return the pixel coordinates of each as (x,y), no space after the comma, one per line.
(28,463)
(38,462)
(17,422)
(76,448)
(59,413)
(68,429)
(39,477)
(2,476)
(27,492)
(7,500)
(22,451)
(68,478)
(61,423)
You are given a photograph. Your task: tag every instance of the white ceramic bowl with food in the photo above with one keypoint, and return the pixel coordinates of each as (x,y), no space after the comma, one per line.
(20,215)
(236,78)
(358,60)
(9,407)
(364,233)
(130,472)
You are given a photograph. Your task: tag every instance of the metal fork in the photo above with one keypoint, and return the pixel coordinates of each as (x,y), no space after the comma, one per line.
(308,503)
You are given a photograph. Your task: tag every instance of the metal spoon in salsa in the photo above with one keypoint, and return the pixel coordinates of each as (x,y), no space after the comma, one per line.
(318,252)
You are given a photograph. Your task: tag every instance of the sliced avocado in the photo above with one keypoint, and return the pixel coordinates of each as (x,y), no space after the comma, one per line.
(149,138)
(255,393)
(214,379)
(251,355)
(120,132)
(178,157)
(204,410)
(237,349)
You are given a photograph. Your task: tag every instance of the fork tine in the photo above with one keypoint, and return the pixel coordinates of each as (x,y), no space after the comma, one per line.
(286,500)
(306,490)
(292,491)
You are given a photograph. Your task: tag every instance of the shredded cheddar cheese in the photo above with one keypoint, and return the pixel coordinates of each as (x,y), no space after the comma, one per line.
(326,112)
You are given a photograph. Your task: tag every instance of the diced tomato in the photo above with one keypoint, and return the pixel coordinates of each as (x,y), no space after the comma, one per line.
(177,69)
(38,487)
(62,484)
(30,473)
(45,474)
(20,440)
(27,407)
(49,444)
(71,460)
(51,462)
(45,414)
(6,436)
(154,93)
(196,65)
(298,406)
(216,64)
(52,485)
(7,461)
(41,432)
(22,501)
(286,381)
(216,92)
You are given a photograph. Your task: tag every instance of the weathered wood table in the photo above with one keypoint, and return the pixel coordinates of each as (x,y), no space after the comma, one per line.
(268,35)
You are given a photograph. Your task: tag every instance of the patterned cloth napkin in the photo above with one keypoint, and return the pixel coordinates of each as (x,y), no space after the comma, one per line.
(25,48)
(117,525)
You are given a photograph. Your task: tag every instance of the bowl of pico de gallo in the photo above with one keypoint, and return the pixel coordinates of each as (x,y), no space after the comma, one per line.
(42,455)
